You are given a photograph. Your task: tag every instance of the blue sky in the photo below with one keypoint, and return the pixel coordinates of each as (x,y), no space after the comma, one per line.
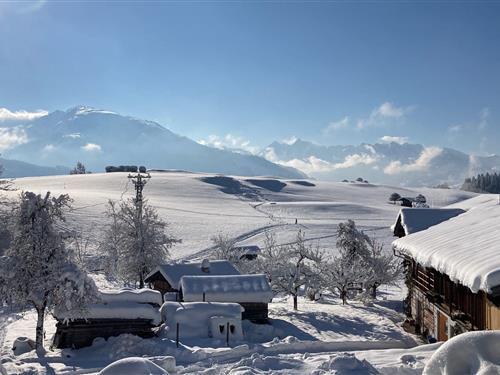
(330,72)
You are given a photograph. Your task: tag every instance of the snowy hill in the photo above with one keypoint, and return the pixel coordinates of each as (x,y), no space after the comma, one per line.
(99,138)
(198,206)
(392,163)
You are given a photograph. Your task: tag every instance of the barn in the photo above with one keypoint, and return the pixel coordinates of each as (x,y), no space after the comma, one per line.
(453,272)
(166,277)
(252,292)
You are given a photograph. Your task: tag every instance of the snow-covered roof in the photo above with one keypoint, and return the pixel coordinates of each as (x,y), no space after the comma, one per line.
(235,288)
(465,247)
(248,249)
(131,295)
(173,272)
(413,220)
(115,310)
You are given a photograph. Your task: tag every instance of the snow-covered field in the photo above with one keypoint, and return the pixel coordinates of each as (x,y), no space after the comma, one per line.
(311,340)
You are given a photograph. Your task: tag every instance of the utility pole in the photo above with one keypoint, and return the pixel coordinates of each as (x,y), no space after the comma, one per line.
(139,180)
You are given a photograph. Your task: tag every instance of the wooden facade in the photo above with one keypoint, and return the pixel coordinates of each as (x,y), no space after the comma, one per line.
(80,333)
(442,308)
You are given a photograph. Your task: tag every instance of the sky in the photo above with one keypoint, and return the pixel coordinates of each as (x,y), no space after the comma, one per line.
(247,73)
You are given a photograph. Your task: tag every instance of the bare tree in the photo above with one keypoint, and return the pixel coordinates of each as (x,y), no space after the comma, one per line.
(294,267)
(38,270)
(136,240)
(382,268)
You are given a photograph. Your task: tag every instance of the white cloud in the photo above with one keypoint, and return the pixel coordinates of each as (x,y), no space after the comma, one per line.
(386,111)
(290,141)
(455,128)
(229,142)
(421,164)
(313,164)
(49,148)
(92,147)
(72,136)
(12,137)
(390,138)
(484,114)
(7,115)
(336,125)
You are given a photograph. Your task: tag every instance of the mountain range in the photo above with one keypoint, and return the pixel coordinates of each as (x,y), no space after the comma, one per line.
(391,163)
(99,138)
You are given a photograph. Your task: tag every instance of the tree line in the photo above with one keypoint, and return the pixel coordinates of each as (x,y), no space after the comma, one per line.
(483,183)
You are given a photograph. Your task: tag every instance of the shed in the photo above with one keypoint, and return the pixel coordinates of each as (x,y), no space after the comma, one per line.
(248,252)
(166,277)
(412,220)
(253,292)
(123,311)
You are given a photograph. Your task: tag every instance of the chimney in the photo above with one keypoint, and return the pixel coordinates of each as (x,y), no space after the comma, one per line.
(205,266)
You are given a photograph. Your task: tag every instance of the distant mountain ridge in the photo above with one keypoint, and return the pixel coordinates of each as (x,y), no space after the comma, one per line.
(390,163)
(99,138)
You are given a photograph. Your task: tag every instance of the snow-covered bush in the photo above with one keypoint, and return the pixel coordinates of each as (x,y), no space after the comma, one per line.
(38,271)
(135,240)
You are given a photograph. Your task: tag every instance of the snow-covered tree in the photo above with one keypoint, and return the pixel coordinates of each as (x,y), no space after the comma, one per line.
(79,169)
(37,270)
(294,267)
(394,197)
(382,268)
(223,248)
(420,199)
(135,240)
(343,273)
(351,241)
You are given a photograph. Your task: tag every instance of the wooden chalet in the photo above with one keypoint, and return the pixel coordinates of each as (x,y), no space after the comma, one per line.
(252,292)
(166,277)
(453,272)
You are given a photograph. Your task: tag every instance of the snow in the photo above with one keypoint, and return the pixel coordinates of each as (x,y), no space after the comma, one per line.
(295,342)
(173,272)
(115,310)
(194,318)
(467,353)
(131,295)
(464,247)
(133,366)
(234,288)
(417,219)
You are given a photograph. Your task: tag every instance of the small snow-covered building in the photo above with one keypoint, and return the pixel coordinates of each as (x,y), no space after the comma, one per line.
(252,292)
(248,252)
(116,312)
(453,271)
(412,220)
(166,277)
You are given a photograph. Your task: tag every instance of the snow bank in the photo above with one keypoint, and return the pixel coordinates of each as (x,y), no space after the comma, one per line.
(117,310)
(235,288)
(468,353)
(131,295)
(347,363)
(464,247)
(194,318)
(133,366)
